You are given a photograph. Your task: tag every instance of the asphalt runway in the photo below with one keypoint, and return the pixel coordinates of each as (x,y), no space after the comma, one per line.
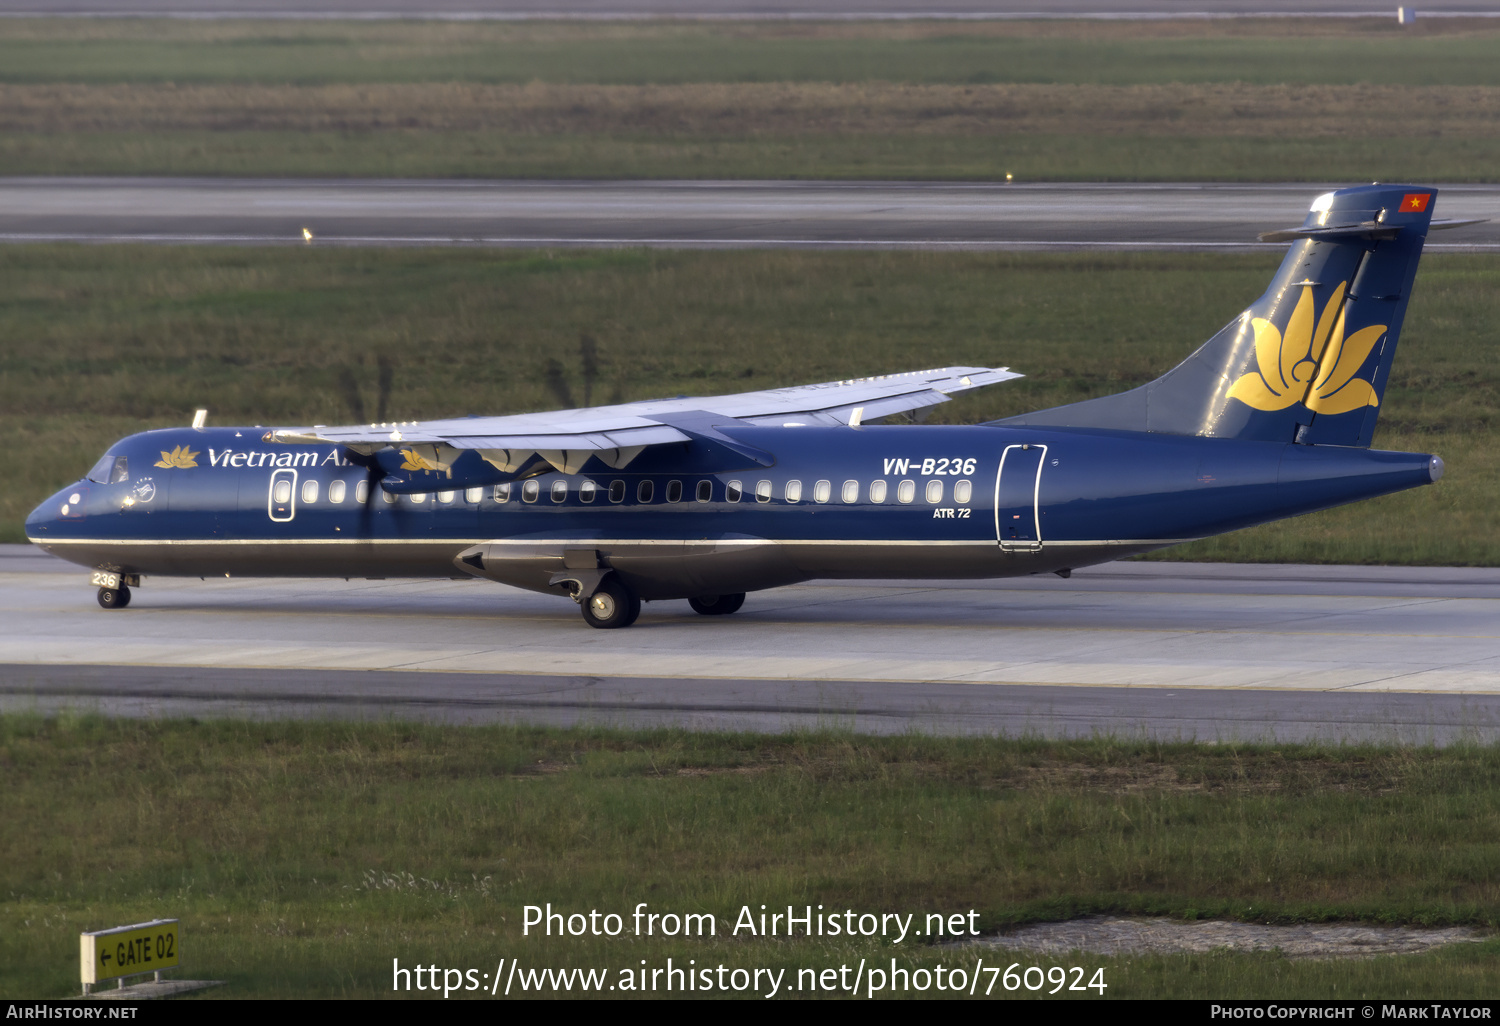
(1189,651)
(687,214)
(728,9)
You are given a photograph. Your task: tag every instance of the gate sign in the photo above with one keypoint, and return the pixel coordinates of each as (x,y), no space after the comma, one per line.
(127,950)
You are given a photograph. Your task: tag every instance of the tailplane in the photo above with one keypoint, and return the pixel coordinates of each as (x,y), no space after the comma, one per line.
(1309,360)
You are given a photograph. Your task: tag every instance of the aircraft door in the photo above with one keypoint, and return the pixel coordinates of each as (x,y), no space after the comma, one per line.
(1017,493)
(281,502)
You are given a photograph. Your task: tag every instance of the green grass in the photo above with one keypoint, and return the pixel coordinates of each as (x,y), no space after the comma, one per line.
(892,156)
(102,341)
(1340,100)
(303,857)
(1375,51)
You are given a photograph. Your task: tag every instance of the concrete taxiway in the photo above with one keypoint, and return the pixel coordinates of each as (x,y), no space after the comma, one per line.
(1167,650)
(687,214)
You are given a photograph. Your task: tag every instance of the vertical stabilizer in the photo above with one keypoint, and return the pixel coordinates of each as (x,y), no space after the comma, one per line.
(1309,360)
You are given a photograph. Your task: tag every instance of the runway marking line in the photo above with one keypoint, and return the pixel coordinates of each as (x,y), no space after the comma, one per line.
(598,678)
(750,618)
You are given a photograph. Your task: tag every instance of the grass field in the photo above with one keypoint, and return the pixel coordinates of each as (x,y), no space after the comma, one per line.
(302,858)
(1081,101)
(103,341)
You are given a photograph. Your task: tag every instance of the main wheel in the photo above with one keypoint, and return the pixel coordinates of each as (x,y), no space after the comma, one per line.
(612,605)
(114,598)
(717,605)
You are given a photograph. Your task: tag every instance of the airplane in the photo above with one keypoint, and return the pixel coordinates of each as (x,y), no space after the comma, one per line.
(707,499)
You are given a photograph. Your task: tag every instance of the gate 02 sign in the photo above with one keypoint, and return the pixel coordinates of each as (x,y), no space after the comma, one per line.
(128,950)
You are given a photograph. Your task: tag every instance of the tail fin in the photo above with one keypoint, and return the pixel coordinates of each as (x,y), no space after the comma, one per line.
(1309,360)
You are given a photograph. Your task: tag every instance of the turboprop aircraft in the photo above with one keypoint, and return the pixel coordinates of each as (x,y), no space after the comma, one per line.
(706,499)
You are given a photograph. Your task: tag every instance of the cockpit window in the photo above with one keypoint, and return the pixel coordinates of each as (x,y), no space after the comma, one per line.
(101,470)
(110,470)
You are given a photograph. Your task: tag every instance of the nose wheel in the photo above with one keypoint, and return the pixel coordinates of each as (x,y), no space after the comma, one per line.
(612,605)
(114,598)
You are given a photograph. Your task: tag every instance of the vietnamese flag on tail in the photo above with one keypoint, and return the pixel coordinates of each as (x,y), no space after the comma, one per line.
(1415,202)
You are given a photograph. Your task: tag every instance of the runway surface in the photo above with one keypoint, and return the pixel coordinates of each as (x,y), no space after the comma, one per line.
(735,9)
(1202,651)
(703,214)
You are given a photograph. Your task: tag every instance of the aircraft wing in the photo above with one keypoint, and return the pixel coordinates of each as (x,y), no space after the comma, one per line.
(414,455)
(566,438)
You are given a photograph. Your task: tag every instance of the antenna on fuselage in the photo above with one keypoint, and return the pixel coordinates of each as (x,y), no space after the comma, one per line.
(200,417)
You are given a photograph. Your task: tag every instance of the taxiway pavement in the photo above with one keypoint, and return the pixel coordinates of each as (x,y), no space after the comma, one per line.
(687,214)
(1166,650)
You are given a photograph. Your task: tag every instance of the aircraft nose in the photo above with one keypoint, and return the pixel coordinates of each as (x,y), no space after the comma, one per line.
(67,502)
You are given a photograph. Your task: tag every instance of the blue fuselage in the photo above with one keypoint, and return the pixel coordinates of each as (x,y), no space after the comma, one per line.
(876,501)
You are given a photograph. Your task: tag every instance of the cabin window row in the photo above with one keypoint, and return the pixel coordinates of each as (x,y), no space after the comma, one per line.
(849,491)
(645,492)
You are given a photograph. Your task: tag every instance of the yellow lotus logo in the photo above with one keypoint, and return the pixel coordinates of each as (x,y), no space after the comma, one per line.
(181,458)
(1307,364)
(415,462)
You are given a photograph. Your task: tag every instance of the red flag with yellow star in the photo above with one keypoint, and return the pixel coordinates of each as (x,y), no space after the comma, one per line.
(1415,202)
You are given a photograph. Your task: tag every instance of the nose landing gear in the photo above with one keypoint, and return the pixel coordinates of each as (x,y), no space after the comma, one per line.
(114,587)
(115,598)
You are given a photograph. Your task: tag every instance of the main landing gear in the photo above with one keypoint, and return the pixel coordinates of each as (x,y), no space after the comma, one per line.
(717,605)
(115,598)
(611,605)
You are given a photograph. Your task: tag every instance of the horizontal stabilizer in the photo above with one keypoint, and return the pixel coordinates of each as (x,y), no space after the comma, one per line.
(1334,233)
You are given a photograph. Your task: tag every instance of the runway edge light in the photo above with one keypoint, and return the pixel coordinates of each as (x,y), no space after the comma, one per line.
(135,950)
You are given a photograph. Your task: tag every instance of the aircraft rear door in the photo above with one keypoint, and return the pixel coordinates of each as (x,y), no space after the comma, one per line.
(1017,491)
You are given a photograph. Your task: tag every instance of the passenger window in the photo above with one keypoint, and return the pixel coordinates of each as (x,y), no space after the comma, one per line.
(309,491)
(794,491)
(617,491)
(644,491)
(850,492)
(362,492)
(559,490)
(283,491)
(674,491)
(906,491)
(705,491)
(762,491)
(821,491)
(502,492)
(586,491)
(121,471)
(732,491)
(473,494)
(386,497)
(337,490)
(445,497)
(100,473)
(877,491)
(530,490)
(961,491)
(418,498)
(934,492)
